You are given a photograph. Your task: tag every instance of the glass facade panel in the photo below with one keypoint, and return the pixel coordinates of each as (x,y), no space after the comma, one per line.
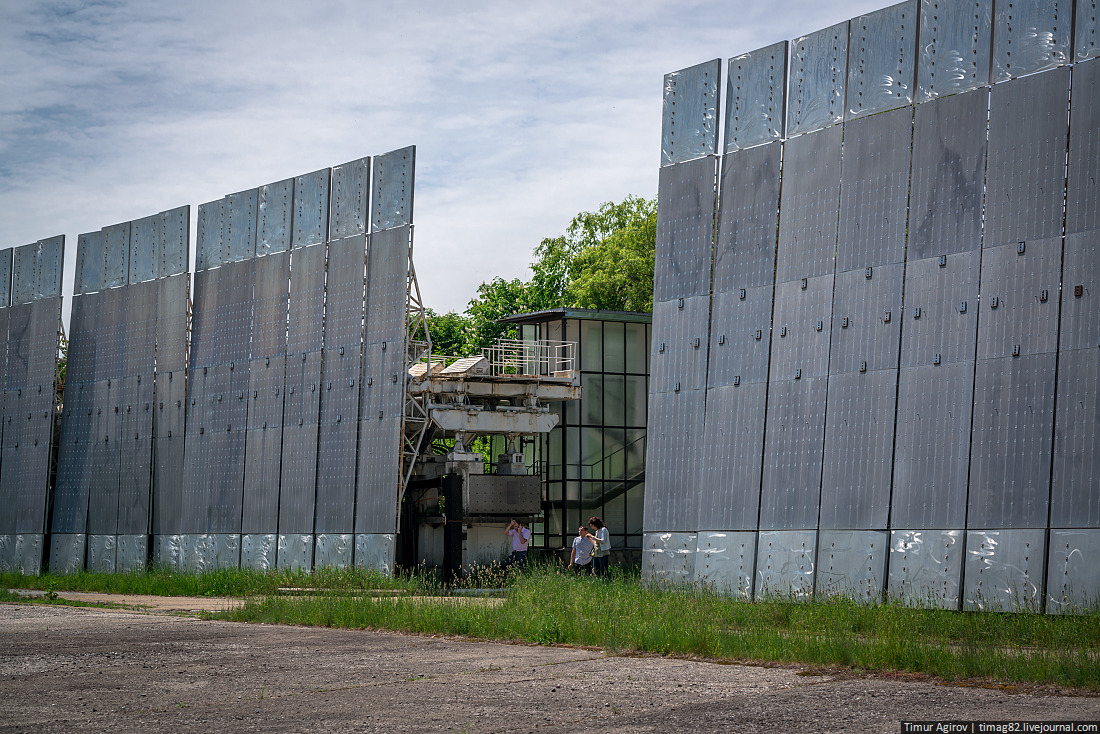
(592,455)
(614,399)
(614,347)
(615,455)
(591,347)
(637,350)
(592,400)
(635,399)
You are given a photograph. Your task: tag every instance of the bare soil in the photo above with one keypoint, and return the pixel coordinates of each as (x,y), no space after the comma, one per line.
(79,669)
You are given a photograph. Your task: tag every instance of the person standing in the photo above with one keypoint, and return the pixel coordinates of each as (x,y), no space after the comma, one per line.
(521,539)
(580,558)
(601,557)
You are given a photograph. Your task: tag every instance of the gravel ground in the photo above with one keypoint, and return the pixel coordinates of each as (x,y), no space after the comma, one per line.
(77,669)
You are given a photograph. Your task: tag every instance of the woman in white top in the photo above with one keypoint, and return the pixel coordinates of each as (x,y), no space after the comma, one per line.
(602,555)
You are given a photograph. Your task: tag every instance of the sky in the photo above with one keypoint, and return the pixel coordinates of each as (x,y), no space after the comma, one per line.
(523,114)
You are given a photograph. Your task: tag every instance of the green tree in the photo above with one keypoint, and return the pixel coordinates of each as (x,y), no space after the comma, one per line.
(450,332)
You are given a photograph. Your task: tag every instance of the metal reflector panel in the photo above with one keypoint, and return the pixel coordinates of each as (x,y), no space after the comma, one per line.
(1087,32)
(379,461)
(679,360)
(1019,309)
(116,255)
(785,564)
(875,195)
(685,228)
(210,249)
(344,290)
(70,497)
(258,551)
(295,552)
(203,317)
(1074,503)
(867,320)
(1011,445)
(859,443)
(941,310)
(818,74)
(689,126)
(1030,36)
(135,454)
(1004,570)
(882,48)
(333,550)
(1025,178)
(233,317)
(730,451)
(239,225)
(387,284)
(168,462)
(139,329)
(175,241)
(273,228)
(336,460)
(724,561)
(5,276)
(227,480)
(926,567)
(202,391)
(36,271)
(392,186)
(269,305)
(375,551)
(673,446)
(299,456)
(172,322)
(263,449)
(756,86)
(145,236)
(1073,576)
(348,200)
(955,39)
(103,485)
(852,563)
(744,253)
(307,300)
(1083,186)
(736,355)
(792,454)
(89,264)
(669,558)
(102,551)
(932,449)
(131,553)
(800,330)
(67,552)
(311,208)
(808,217)
(949,150)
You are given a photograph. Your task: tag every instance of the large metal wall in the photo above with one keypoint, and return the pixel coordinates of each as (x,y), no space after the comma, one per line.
(30,302)
(924,421)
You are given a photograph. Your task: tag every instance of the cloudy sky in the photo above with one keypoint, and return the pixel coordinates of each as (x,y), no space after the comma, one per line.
(523,113)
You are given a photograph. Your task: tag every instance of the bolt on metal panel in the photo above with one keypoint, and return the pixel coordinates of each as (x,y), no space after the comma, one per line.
(392,185)
(175,241)
(239,223)
(785,564)
(258,551)
(168,456)
(116,255)
(874,196)
(67,552)
(311,208)
(810,205)
(748,206)
(1074,503)
(858,456)
(852,563)
(375,551)
(1087,32)
(882,48)
(271,293)
(756,96)
(273,228)
(298,476)
(932,448)
(685,229)
(926,567)
(263,445)
(307,300)
(145,234)
(295,552)
(348,199)
(344,291)
(1030,36)
(171,326)
(946,192)
(210,248)
(867,319)
(689,122)
(730,451)
(724,561)
(955,42)
(1083,185)
(669,558)
(1011,445)
(5,276)
(1004,570)
(136,454)
(1019,299)
(801,327)
(1073,577)
(791,488)
(333,550)
(679,350)
(818,75)
(941,310)
(1026,174)
(736,355)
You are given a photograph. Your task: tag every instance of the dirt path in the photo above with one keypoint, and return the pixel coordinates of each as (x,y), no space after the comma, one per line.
(75,669)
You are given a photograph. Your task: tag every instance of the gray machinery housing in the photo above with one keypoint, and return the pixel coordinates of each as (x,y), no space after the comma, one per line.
(881,377)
